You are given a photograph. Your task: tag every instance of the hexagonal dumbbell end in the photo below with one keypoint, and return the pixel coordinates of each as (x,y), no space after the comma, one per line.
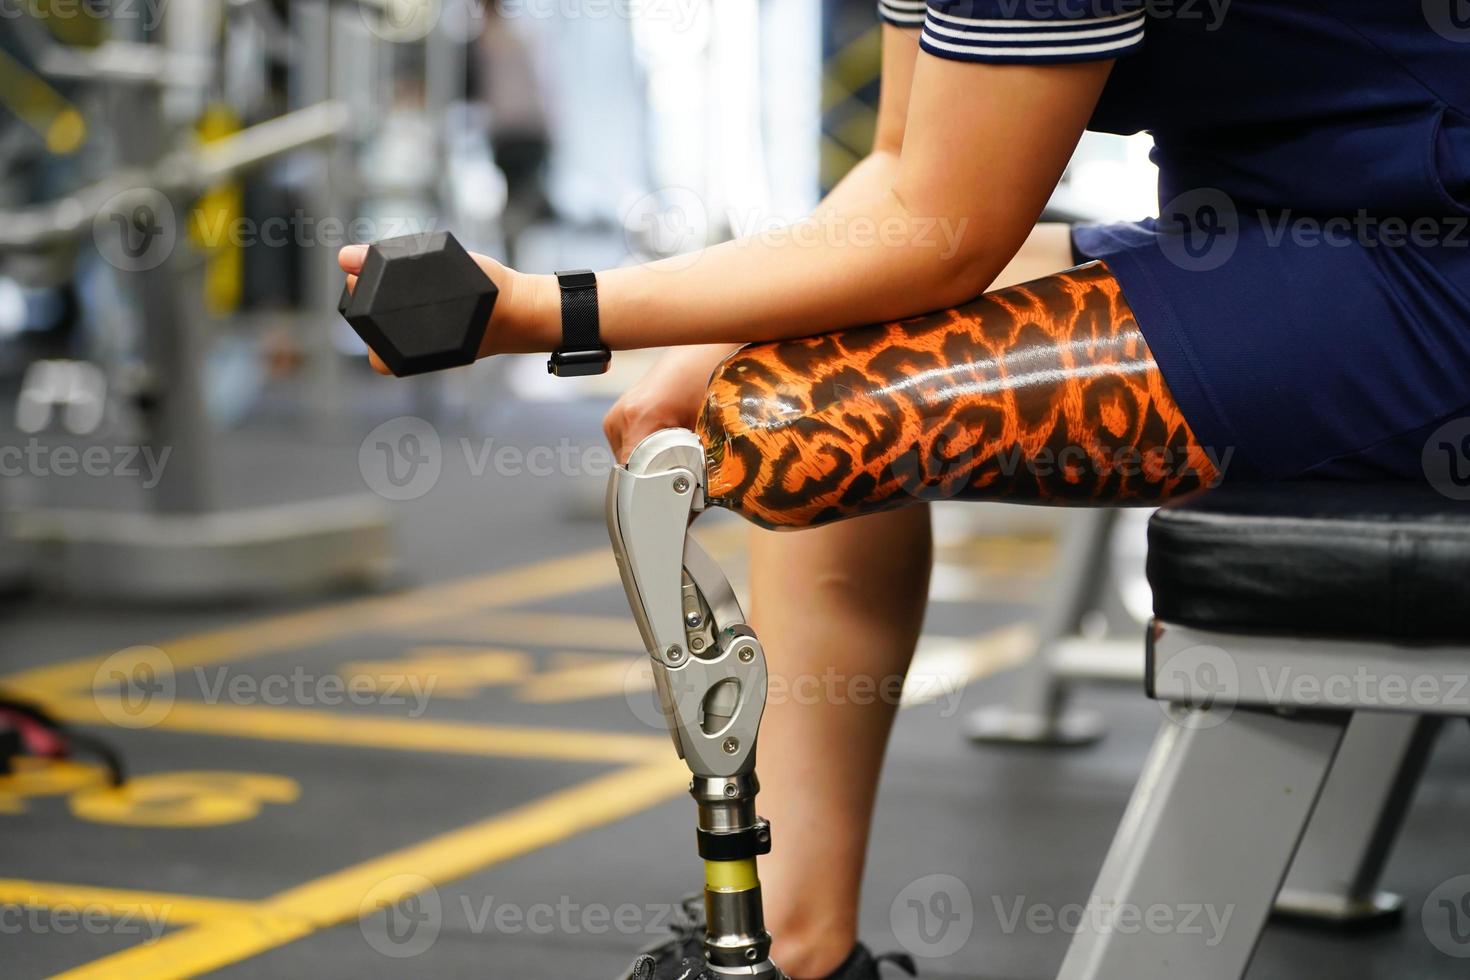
(421,303)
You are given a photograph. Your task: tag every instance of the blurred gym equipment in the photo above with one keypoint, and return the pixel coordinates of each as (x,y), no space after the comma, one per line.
(184,547)
(156,105)
(1082,635)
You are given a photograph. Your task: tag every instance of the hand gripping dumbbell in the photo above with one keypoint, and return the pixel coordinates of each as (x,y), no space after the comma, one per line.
(421,303)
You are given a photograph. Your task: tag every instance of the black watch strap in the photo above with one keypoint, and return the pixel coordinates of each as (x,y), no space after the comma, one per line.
(581,352)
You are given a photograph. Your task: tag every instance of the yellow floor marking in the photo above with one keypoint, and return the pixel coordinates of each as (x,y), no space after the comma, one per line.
(45,777)
(174,910)
(539,629)
(529,583)
(444,671)
(184,799)
(943,666)
(337,897)
(275,724)
(583,677)
(535,582)
(252,929)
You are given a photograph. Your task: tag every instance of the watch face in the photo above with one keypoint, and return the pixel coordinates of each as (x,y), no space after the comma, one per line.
(579,363)
(577,279)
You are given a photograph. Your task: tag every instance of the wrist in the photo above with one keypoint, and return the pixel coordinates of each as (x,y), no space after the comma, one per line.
(528,319)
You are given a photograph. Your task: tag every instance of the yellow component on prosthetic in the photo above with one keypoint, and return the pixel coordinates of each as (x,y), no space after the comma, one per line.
(730,876)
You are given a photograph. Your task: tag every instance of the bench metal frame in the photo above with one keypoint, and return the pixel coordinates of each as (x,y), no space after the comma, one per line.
(1283,766)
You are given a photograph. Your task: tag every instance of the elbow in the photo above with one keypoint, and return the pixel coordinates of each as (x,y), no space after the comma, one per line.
(950,279)
(949,261)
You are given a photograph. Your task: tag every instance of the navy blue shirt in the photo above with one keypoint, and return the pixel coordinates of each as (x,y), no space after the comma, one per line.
(1306,289)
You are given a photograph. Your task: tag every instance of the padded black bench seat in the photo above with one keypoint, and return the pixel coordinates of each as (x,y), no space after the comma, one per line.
(1387,561)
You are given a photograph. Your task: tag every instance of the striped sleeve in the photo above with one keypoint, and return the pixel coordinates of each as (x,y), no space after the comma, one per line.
(901,13)
(1031,31)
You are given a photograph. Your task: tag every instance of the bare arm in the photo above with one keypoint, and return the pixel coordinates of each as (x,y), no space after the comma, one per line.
(672,391)
(982,147)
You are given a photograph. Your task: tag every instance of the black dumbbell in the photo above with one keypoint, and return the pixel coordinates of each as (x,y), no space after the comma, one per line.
(421,303)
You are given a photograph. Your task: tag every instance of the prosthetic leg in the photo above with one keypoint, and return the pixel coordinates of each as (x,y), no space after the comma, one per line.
(1042,393)
(710,673)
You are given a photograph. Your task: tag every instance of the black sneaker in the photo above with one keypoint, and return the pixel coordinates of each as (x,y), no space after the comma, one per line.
(681,956)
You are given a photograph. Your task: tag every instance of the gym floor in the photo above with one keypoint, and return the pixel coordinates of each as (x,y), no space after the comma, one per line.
(479,737)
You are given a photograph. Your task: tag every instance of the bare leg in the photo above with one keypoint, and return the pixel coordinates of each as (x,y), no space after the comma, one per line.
(832,604)
(827,613)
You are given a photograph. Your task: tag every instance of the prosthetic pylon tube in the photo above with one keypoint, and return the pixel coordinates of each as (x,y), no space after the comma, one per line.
(710,675)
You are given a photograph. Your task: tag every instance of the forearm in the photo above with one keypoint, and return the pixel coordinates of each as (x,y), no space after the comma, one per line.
(967,188)
(870,177)
(863,263)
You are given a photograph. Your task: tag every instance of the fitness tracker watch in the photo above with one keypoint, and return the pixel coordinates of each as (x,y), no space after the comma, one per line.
(582,352)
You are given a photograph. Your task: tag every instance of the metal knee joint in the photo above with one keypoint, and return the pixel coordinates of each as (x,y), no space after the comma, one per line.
(710,675)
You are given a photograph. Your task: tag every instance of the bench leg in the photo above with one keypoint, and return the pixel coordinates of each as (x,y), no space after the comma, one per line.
(1334,879)
(1039,712)
(1204,845)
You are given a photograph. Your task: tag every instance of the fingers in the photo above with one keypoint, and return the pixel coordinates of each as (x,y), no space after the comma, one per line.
(373,359)
(614,425)
(351,258)
(634,419)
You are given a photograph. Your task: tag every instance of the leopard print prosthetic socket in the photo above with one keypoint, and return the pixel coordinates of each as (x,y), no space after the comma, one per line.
(1044,393)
